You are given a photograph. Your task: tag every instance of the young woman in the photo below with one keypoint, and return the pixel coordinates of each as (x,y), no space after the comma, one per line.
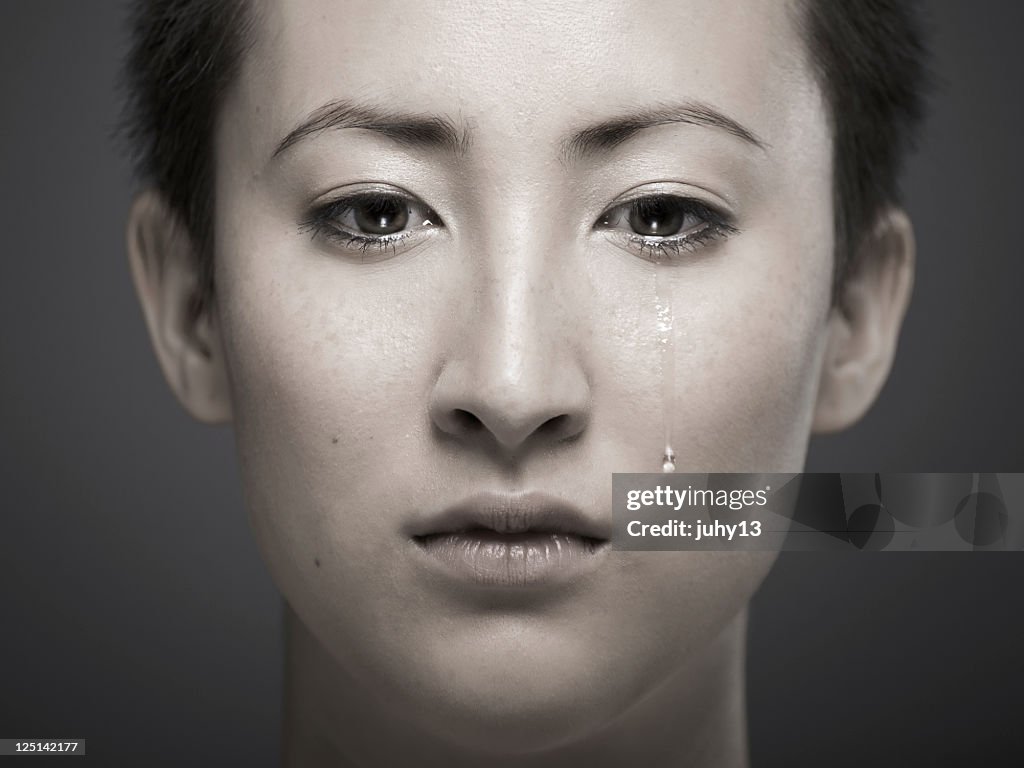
(411,252)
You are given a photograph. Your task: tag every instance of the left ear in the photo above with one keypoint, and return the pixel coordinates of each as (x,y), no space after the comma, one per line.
(865,323)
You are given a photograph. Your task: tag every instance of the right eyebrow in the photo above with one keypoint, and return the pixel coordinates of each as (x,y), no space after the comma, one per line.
(408,129)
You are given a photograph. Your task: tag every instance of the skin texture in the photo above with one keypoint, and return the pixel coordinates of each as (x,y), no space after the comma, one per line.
(348,375)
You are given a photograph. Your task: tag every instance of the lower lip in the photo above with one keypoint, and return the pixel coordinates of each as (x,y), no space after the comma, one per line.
(512,560)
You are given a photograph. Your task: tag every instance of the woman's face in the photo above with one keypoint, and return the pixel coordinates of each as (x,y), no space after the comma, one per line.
(454,306)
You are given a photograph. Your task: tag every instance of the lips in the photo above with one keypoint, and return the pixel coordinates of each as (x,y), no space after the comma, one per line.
(511,540)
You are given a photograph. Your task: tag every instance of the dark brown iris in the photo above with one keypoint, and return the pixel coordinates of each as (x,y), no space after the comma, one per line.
(381,216)
(656,217)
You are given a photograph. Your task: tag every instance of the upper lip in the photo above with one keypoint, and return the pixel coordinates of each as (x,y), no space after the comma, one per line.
(511,513)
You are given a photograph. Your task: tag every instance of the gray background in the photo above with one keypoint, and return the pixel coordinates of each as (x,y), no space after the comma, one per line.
(134,609)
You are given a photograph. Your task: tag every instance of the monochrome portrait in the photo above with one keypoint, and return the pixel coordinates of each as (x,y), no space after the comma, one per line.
(331,322)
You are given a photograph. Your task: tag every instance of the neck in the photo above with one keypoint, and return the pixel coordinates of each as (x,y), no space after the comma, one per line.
(695,718)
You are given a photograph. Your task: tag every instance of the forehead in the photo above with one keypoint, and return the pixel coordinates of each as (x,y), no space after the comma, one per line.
(518,69)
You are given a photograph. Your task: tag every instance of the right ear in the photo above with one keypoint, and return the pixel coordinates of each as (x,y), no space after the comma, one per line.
(165,270)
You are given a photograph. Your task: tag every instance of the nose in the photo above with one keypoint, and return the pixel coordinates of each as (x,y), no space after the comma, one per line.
(515,380)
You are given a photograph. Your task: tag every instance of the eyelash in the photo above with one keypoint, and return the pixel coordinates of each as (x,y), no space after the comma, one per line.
(716,226)
(323,223)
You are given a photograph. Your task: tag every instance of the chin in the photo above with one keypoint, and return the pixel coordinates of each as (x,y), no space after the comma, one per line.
(518,696)
(501,723)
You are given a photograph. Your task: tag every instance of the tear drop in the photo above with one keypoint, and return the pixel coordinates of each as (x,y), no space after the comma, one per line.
(664,331)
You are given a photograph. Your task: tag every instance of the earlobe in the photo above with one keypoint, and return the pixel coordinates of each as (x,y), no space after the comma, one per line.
(864,326)
(166,275)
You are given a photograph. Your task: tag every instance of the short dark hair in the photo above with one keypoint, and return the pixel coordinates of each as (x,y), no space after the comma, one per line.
(183,56)
(871,63)
(869,59)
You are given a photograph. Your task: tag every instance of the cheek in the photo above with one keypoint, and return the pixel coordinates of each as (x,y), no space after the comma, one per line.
(752,338)
(329,379)
(751,356)
(667,606)
(747,334)
(311,366)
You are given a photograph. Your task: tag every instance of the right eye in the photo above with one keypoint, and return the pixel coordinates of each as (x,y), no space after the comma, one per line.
(371,219)
(378,215)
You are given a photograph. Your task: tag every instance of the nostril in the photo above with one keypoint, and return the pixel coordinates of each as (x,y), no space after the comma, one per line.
(555,425)
(465,421)
(500,413)
(559,427)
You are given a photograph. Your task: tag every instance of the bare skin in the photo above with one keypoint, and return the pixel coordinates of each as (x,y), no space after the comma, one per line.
(502,340)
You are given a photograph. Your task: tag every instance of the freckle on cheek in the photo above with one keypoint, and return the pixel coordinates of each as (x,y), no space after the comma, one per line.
(316,560)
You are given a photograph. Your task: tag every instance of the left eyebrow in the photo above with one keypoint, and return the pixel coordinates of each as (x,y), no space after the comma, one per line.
(608,134)
(408,129)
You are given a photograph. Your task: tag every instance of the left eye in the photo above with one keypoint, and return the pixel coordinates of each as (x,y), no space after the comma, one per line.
(660,216)
(661,227)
